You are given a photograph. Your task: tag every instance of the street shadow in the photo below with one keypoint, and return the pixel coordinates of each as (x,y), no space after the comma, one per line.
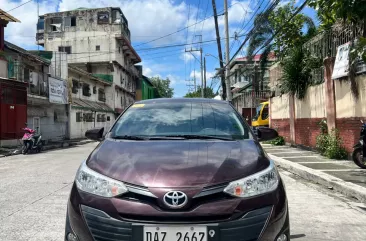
(295,236)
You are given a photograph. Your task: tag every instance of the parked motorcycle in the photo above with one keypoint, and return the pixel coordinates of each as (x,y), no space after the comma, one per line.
(31,141)
(360,148)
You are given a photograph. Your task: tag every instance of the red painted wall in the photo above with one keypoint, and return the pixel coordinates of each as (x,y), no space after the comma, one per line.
(306,131)
(283,127)
(349,129)
(13,109)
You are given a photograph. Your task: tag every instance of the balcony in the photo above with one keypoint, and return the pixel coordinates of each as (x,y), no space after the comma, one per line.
(40,38)
(132,69)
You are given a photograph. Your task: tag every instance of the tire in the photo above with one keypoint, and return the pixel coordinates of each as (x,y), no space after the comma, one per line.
(40,147)
(26,148)
(357,157)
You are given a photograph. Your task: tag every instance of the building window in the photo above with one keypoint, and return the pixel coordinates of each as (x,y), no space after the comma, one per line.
(73,21)
(56,24)
(88,117)
(26,76)
(86,90)
(66,49)
(108,118)
(97,48)
(121,79)
(103,17)
(101,95)
(75,86)
(79,117)
(94,90)
(119,49)
(116,16)
(70,21)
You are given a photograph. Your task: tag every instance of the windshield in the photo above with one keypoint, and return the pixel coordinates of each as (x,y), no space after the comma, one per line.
(172,119)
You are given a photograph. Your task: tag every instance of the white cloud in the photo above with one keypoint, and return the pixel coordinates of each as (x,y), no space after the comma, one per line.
(197,74)
(187,57)
(148,19)
(24,33)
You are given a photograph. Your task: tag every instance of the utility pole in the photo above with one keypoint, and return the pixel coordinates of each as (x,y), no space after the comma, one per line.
(223,85)
(201,64)
(227,71)
(204,75)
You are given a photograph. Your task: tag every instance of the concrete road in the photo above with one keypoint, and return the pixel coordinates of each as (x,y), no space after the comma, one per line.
(34,191)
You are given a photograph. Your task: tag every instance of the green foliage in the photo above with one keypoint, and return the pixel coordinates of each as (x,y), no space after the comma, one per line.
(331,145)
(163,87)
(297,71)
(359,50)
(329,11)
(208,91)
(323,126)
(279,141)
(290,34)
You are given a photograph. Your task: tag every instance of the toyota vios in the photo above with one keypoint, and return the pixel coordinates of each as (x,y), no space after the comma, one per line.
(178,170)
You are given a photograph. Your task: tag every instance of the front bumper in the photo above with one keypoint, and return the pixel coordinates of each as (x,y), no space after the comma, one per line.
(91,223)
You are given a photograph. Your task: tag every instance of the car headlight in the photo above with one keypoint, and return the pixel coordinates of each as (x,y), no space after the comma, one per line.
(92,182)
(259,183)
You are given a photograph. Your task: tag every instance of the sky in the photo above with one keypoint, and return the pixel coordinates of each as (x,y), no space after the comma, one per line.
(183,20)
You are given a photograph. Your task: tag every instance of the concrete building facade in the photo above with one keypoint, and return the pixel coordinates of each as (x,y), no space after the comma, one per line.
(98,42)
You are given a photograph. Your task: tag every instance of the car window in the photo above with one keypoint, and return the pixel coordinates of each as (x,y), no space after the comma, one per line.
(162,119)
(265,113)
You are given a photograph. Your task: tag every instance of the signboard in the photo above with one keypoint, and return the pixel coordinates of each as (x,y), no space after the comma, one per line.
(341,65)
(58,91)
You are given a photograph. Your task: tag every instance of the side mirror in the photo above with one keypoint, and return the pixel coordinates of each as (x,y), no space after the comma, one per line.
(95,134)
(266,134)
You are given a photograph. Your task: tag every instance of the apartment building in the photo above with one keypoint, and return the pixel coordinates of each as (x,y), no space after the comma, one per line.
(97,41)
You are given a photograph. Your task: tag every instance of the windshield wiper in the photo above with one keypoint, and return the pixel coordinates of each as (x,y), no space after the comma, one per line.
(202,137)
(128,137)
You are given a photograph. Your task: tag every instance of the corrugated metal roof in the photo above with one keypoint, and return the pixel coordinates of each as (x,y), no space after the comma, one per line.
(25,52)
(7,17)
(90,105)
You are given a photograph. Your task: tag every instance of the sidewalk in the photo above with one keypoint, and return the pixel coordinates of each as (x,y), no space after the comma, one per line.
(49,146)
(341,175)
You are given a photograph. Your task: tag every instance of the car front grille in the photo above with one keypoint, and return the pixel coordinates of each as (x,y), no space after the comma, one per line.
(103,227)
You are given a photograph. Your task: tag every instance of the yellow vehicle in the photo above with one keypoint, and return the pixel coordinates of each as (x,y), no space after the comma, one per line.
(261,117)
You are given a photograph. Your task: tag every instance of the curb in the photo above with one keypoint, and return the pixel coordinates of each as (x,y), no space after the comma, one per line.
(346,188)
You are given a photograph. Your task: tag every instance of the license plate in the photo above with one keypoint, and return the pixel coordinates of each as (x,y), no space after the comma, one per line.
(175,233)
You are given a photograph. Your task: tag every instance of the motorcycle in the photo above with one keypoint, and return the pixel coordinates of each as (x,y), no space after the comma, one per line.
(359,150)
(31,141)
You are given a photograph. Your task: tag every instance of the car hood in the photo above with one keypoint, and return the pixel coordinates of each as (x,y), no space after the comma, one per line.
(177,163)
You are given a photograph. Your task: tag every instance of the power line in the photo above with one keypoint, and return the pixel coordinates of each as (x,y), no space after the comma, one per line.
(252,31)
(275,34)
(179,45)
(19,6)
(179,30)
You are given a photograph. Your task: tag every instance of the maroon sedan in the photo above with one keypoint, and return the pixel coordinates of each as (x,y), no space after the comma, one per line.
(178,170)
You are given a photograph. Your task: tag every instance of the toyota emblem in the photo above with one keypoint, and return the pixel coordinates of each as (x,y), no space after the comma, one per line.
(175,199)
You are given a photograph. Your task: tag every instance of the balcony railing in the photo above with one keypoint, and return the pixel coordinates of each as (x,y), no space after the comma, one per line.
(133,70)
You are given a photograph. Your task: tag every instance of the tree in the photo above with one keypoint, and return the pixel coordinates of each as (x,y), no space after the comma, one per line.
(163,87)
(289,33)
(208,91)
(330,11)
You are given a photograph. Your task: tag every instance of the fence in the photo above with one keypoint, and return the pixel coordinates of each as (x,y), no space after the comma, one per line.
(325,45)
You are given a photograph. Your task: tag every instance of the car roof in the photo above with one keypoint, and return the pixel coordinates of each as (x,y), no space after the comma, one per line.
(181,100)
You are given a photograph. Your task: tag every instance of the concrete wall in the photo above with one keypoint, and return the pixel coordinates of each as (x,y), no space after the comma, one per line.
(3,68)
(280,115)
(347,111)
(52,118)
(313,105)
(78,128)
